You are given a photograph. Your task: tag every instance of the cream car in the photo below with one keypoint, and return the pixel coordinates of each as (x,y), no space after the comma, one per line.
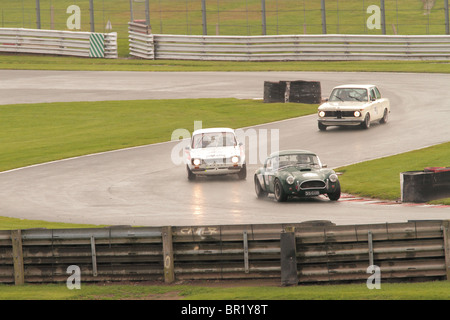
(354,105)
(215,151)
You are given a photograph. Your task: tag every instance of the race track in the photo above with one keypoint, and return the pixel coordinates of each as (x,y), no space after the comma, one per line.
(142,186)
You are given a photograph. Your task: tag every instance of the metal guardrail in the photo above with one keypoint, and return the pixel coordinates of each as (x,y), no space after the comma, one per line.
(323,252)
(286,47)
(67,43)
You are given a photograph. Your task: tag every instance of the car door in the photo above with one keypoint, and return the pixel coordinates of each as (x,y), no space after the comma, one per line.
(384,103)
(375,106)
(269,175)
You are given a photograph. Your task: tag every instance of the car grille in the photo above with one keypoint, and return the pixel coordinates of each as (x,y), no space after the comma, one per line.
(312,184)
(339,114)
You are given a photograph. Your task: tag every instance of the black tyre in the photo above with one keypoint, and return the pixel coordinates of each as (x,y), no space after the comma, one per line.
(336,194)
(242,175)
(190,175)
(322,127)
(366,122)
(279,193)
(385,117)
(260,193)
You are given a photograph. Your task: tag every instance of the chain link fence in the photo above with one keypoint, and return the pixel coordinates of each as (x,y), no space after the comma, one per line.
(231,17)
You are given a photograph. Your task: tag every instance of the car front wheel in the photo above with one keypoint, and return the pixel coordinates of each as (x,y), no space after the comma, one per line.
(385,117)
(366,122)
(191,176)
(336,194)
(243,173)
(279,193)
(260,193)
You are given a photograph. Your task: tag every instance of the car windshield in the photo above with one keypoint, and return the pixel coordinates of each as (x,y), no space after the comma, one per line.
(213,139)
(301,160)
(349,94)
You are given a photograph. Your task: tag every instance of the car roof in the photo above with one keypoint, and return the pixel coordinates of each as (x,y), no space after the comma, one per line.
(362,86)
(210,130)
(286,152)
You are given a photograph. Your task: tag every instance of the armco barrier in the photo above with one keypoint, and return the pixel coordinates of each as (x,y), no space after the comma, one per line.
(53,42)
(323,253)
(145,45)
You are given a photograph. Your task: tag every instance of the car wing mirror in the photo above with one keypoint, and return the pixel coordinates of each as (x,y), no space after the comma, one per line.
(324,166)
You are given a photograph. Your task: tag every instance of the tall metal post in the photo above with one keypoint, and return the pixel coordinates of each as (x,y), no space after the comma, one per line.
(383,17)
(131,11)
(324,17)
(205,31)
(447,24)
(147,12)
(91,11)
(263,16)
(38,14)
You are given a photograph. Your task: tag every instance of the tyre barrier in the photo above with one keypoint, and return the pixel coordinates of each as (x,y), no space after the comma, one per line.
(298,253)
(422,186)
(298,91)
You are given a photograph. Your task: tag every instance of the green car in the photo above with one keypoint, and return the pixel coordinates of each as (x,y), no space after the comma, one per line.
(296,173)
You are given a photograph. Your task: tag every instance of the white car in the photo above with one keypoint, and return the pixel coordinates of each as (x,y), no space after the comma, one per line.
(215,151)
(354,105)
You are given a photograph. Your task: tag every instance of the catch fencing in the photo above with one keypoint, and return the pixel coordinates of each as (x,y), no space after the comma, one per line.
(67,43)
(323,253)
(145,45)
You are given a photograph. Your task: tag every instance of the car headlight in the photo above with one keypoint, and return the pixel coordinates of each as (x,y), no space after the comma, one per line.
(322,114)
(196,162)
(235,159)
(333,177)
(290,179)
(357,114)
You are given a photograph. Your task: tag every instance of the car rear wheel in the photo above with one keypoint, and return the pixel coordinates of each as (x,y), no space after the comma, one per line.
(279,193)
(260,193)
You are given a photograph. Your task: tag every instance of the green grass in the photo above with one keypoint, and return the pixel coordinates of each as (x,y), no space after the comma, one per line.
(16,224)
(37,133)
(388,291)
(360,178)
(37,62)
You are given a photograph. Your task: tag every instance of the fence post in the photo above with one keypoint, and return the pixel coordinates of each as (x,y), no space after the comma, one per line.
(169,274)
(288,254)
(263,16)
(16,238)
(446,232)
(447,24)
(205,31)
(383,17)
(324,17)
(91,13)
(38,14)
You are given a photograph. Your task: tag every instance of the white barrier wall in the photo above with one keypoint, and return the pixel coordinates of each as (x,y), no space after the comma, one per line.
(53,42)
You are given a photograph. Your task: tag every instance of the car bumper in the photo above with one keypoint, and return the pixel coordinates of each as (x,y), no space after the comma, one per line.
(341,122)
(217,169)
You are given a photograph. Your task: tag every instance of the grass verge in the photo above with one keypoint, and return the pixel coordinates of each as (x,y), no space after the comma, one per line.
(37,133)
(389,291)
(38,62)
(380,178)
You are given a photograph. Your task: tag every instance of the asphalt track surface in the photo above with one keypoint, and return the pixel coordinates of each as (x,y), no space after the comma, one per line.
(142,186)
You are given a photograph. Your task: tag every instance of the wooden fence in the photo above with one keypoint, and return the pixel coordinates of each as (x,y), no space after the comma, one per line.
(53,42)
(145,45)
(323,253)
